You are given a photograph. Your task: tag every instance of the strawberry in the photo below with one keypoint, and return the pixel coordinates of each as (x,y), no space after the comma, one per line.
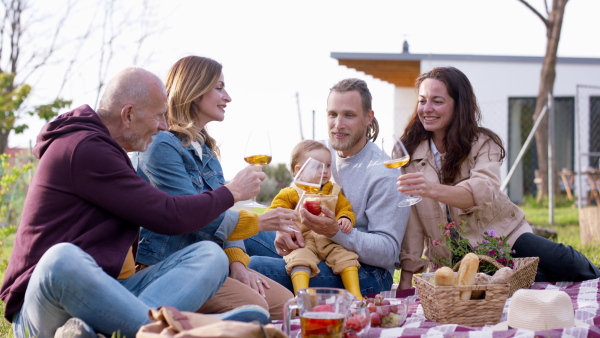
(355,323)
(323,308)
(313,205)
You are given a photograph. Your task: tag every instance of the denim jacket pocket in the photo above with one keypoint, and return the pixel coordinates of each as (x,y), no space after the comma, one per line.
(213,179)
(196,179)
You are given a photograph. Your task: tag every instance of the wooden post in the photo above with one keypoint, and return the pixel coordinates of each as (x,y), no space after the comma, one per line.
(589,225)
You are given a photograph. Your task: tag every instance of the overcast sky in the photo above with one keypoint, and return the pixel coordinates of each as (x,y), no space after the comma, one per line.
(273,51)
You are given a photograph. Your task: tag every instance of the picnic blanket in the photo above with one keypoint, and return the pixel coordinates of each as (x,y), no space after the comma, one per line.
(585,297)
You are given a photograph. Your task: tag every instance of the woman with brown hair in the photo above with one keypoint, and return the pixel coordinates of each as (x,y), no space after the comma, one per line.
(455,167)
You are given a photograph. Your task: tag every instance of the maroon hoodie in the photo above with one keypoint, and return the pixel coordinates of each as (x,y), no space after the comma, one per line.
(86,192)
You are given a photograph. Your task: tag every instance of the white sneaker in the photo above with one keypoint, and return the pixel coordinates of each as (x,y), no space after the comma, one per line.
(75,328)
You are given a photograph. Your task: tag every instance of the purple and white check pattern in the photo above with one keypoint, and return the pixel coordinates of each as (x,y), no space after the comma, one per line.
(584,295)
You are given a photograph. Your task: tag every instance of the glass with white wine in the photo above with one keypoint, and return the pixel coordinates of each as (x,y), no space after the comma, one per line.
(258,152)
(395,156)
(310,176)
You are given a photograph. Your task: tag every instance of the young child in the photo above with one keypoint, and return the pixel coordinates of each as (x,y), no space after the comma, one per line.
(301,263)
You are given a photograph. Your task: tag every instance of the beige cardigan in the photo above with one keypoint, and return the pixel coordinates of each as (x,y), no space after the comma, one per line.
(480,174)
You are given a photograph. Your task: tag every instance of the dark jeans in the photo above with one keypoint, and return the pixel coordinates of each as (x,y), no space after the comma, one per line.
(265,260)
(558,262)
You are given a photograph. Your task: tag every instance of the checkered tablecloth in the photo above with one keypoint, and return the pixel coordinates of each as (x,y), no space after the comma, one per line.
(584,295)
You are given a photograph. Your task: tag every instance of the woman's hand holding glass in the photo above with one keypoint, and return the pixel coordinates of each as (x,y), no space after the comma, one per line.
(278,219)
(412,183)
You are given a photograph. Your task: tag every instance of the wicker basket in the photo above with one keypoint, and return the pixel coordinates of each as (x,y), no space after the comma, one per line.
(524,271)
(442,304)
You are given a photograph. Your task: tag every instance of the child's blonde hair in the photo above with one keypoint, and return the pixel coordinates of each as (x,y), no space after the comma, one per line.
(302,148)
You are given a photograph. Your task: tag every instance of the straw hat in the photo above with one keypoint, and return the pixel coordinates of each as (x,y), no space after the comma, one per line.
(539,310)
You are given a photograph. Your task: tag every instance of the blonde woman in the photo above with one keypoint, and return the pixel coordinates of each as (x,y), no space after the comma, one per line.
(184,160)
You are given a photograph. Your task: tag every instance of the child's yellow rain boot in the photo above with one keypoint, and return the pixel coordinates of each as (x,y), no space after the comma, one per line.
(300,280)
(350,280)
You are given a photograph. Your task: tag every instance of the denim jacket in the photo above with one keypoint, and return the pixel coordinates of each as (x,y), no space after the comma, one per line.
(179,170)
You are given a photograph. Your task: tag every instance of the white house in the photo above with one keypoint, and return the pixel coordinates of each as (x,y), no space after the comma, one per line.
(506,87)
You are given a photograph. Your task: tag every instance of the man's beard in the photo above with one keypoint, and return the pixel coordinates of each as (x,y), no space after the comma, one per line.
(348,144)
(135,142)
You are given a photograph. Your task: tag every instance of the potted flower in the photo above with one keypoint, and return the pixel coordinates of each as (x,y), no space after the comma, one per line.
(495,247)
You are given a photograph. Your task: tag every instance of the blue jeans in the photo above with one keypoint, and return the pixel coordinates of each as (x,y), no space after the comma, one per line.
(558,262)
(264,259)
(67,283)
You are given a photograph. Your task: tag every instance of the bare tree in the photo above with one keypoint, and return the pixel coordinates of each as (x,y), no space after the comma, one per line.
(553,23)
(13,93)
(115,23)
(34,40)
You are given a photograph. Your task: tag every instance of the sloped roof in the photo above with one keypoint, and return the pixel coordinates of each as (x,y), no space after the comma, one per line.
(401,69)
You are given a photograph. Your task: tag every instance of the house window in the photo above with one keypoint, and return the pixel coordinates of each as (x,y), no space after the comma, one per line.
(520,124)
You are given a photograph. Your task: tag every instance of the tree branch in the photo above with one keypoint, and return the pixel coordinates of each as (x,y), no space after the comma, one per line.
(539,15)
(51,50)
(73,60)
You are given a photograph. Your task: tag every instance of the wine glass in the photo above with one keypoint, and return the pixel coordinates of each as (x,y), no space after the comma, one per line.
(394,156)
(310,177)
(258,152)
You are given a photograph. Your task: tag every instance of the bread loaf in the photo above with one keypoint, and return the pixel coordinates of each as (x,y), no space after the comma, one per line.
(466,273)
(480,279)
(502,276)
(444,276)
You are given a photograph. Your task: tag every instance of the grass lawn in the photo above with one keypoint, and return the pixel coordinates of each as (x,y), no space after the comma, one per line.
(566,225)
(6,242)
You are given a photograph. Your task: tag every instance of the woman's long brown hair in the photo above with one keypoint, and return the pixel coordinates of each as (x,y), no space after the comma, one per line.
(462,131)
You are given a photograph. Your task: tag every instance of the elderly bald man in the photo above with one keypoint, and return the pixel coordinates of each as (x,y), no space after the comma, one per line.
(73,255)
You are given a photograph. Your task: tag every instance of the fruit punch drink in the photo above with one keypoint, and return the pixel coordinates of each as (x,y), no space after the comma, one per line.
(322,325)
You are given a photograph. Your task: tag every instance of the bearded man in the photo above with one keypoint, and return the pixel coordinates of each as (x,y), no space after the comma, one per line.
(369,186)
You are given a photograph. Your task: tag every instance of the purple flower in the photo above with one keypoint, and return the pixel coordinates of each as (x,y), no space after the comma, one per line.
(484,242)
(491,233)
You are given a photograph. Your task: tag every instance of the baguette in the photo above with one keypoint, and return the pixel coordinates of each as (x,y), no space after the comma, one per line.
(466,273)
(444,276)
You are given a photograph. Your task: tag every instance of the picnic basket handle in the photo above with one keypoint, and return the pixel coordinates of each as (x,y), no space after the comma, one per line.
(481,258)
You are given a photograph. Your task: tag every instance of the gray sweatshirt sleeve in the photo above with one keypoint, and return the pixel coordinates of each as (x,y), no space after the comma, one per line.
(380,223)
